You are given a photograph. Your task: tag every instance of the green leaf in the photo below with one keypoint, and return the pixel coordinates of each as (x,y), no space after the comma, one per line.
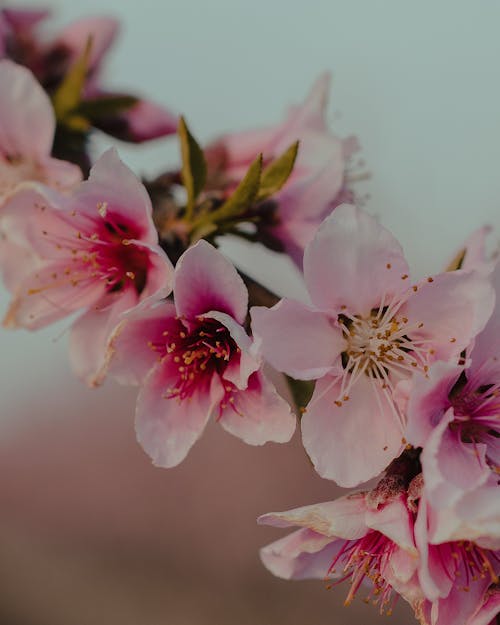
(277,173)
(105,106)
(302,391)
(194,167)
(244,195)
(203,231)
(67,96)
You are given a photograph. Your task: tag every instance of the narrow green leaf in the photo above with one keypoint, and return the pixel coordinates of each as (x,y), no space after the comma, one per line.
(194,167)
(244,195)
(105,106)
(277,173)
(302,391)
(202,232)
(67,96)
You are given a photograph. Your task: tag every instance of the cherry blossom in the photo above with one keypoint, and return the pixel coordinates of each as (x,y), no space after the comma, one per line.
(27,127)
(362,537)
(50,59)
(194,360)
(317,183)
(95,252)
(367,333)
(454,414)
(457,578)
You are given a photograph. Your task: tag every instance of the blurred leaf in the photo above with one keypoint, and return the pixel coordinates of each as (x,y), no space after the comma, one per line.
(302,391)
(106,106)
(203,232)
(277,173)
(194,167)
(68,94)
(457,262)
(244,195)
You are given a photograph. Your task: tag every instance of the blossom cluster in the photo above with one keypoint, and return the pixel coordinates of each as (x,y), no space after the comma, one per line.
(404,375)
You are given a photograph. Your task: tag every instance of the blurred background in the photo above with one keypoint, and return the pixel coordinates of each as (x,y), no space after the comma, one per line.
(90,532)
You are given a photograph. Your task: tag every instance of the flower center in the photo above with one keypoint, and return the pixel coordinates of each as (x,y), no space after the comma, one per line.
(99,249)
(198,353)
(363,559)
(382,347)
(470,562)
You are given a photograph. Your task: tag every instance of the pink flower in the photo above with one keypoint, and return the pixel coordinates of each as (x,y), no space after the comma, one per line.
(50,61)
(456,577)
(367,332)
(27,127)
(96,251)
(353,538)
(454,414)
(317,182)
(194,359)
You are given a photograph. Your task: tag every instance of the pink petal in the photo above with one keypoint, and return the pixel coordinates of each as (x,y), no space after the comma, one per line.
(394,521)
(311,113)
(113,184)
(26,117)
(301,555)
(205,280)
(450,466)
(459,606)
(488,610)
(90,334)
(343,518)
(25,19)
(131,354)
(353,262)
(297,339)
(44,297)
(238,369)
(453,308)
(33,217)
(429,401)
(16,261)
(147,120)
(434,580)
(74,37)
(160,272)
(61,175)
(168,428)
(258,414)
(487,343)
(353,442)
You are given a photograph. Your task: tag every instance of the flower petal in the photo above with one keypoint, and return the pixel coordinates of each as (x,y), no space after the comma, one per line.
(429,401)
(297,339)
(90,334)
(353,442)
(451,467)
(74,37)
(27,121)
(258,414)
(301,555)
(239,369)
(115,187)
(453,308)
(46,295)
(168,428)
(205,280)
(343,518)
(353,262)
(131,351)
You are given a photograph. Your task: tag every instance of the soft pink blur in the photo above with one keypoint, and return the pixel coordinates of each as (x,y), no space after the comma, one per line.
(92,533)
